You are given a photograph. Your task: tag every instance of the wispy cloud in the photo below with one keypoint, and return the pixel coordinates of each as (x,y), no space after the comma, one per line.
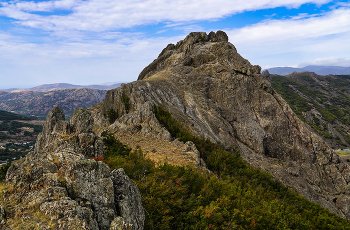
(84,40)
(299,39)
(96,15)
(92,61)
(329,61)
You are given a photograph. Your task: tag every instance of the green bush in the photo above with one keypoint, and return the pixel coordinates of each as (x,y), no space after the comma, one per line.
(26,133)
(126,102)
(113,147)
(3,136)
(3,171)
(112,115)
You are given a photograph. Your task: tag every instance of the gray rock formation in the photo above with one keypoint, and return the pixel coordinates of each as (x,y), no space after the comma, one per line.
(63,180)
(265,73)
(2,216)
(204,83)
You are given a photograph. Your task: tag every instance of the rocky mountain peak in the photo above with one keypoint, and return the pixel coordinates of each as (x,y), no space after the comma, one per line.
(197,50)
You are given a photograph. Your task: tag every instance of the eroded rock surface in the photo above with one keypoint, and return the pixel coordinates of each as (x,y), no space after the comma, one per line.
(63,180)
(203,82)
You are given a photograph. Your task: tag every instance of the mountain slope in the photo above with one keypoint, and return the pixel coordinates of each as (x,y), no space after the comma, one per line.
(40,103)
(205,84)
(58,86)
(322,101)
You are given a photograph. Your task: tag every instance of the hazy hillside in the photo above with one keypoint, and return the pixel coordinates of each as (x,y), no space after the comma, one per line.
(322,101)
(57,86)
(40,103)
(321,70)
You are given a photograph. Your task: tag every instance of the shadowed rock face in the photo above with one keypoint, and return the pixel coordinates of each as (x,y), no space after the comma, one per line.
(62,179)
(217,94)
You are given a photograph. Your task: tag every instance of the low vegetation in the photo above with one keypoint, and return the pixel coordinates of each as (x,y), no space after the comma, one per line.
(236,196)
(14,127)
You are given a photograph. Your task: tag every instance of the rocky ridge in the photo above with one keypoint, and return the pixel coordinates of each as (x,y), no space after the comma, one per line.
(204,83)
(62,182)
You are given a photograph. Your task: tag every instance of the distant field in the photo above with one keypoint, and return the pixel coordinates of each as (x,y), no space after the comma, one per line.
(17,135)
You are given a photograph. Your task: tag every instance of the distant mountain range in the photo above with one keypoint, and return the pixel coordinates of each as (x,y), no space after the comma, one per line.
(38,104)
(320,70)
(57,86)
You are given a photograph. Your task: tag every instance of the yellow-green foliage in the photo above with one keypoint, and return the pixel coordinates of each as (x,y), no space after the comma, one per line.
(237,197)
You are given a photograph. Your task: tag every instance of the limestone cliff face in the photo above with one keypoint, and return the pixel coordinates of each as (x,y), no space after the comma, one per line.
(217,94)
(63,181)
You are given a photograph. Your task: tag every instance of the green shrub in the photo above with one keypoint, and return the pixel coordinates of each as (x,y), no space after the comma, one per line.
(113,147)
(126,102)
(3,136)
(3,171)
(112,115)
(26,133)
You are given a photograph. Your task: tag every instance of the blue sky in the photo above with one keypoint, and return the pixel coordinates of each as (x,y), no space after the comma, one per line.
(97,41)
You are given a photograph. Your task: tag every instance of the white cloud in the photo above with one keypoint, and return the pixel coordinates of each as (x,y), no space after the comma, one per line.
(93,52)
(335,22)
(43,5)
(292,41)
(97,15)
(330,61)
(88,62)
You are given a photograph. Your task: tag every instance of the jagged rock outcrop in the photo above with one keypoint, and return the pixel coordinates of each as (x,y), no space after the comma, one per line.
(63,181)
(265,73)
(203,82)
